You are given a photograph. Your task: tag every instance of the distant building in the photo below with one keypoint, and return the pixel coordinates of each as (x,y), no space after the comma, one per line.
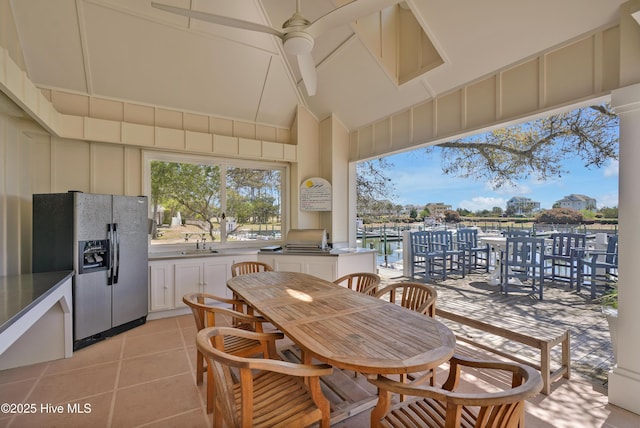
(519,205)
(577,202)
(437,209)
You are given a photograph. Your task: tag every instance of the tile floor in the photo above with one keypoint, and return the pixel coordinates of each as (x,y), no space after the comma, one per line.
(145,377)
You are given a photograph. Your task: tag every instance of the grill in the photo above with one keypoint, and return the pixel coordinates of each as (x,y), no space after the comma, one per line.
(306,241)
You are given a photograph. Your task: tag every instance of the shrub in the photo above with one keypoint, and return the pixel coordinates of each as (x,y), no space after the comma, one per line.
(451,216)
(559,215)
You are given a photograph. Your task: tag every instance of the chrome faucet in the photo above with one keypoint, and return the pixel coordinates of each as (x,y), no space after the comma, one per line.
(204,246)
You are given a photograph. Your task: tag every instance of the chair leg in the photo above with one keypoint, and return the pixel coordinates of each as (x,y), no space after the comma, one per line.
(199,368)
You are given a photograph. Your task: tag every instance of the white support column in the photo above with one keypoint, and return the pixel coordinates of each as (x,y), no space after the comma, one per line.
(624,380)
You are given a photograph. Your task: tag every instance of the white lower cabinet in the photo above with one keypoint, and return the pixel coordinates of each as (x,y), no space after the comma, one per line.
(327,267)
(161,286)
(170,279)
(201,277)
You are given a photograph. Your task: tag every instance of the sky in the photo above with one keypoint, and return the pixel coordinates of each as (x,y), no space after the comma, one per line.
(419,180)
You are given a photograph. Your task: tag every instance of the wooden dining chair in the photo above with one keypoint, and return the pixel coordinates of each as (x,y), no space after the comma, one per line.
(362,282)
(245,268)
(416,296)
(208,312)
(420,298)
(449,408)
(265,392)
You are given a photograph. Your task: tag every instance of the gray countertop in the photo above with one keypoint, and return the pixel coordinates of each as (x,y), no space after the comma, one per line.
(190,254)
(19,293)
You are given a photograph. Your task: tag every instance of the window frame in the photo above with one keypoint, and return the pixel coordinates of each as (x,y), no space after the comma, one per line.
(223,163)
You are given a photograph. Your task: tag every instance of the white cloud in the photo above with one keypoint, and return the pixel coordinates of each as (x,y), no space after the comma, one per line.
(607,200)
(480,203)
(515,189)
(611,169)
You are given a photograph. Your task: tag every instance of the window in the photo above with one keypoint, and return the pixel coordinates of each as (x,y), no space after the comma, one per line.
(201,199)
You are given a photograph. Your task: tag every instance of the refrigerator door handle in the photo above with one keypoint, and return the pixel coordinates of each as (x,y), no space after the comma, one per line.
(117,255)
(110,237)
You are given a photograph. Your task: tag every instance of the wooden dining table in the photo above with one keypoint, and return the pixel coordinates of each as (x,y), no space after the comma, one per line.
(344,328)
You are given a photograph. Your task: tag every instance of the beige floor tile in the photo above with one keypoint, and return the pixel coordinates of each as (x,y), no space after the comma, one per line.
(106,351)
(95,414)
(186,321)
(153,366)
(155,400)
(16,392)
(191,419)
(75,384)
(22,373)
(154,326)
(152,343)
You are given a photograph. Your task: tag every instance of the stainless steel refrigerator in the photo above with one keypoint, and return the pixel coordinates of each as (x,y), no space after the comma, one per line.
(103,238)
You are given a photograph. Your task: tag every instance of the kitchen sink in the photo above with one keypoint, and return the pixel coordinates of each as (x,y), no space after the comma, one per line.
(197,252)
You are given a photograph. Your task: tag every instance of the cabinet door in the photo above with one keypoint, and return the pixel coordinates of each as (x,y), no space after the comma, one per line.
(188,279)
(215,278)
(325,269)
(161,293)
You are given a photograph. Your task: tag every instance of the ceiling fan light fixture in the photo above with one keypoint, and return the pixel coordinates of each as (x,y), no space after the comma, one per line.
(298,43)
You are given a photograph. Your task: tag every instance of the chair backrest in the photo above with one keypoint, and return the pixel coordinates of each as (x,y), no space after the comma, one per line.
(440,240)
(612,250)
(202,313)
(516,233)
(564,243)
(211,343)
(495,409)
(286,394)
(415,296)
(524,251)
(468,237)
(244,268)
(205,313)
(419,242)
(362,282)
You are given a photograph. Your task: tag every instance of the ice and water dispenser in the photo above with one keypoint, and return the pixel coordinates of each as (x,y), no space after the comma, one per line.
(93,255)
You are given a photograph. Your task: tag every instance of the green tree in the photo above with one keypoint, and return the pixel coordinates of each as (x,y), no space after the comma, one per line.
(189,188)
(609,212)
(535,148)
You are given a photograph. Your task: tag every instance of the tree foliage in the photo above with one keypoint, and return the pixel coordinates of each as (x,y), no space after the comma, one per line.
(559,216)
(372,183)
(451,216)
(190,188)
(536,148)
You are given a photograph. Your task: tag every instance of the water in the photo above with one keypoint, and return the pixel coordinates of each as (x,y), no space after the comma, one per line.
(386,255)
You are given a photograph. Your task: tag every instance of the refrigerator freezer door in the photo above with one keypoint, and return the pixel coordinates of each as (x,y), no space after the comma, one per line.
(91,291)
(93,214)
(92,308)
(130,292)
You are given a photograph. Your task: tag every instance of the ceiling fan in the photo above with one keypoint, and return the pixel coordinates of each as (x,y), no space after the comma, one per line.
(297,33)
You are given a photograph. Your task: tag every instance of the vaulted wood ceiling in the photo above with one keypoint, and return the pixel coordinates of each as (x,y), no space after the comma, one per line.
(407,53)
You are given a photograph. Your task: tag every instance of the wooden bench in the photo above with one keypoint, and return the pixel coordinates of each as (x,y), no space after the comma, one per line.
(535,333)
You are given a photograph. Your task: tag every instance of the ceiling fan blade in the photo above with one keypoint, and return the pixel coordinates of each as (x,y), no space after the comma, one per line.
(346,14)
(308,72)
(218,19)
